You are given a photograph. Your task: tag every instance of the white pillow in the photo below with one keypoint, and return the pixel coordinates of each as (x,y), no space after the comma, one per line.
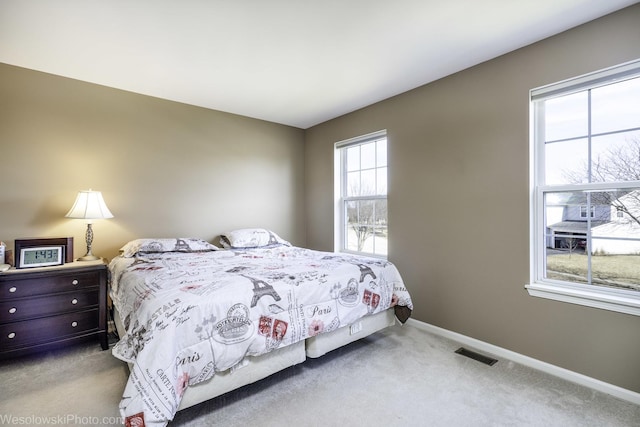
(251,238)
(166,245)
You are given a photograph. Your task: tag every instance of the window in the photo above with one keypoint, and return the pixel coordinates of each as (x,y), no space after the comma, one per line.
(585,150)
(583,211)
(361,194)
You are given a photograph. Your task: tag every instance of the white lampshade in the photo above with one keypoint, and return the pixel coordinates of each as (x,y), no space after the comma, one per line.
(89,205)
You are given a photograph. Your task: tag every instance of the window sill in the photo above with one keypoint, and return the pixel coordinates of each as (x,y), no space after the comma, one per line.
(613,300)
(364,254)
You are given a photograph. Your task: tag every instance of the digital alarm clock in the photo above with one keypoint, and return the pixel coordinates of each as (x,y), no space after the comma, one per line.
(43,252)
(41,256)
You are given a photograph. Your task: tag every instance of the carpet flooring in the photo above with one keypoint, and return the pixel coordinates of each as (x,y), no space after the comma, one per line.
(402,376)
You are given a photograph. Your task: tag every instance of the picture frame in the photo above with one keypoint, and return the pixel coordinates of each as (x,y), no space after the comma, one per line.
(60,251)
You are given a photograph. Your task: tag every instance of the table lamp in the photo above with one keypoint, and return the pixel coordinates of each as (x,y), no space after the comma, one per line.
(89,205)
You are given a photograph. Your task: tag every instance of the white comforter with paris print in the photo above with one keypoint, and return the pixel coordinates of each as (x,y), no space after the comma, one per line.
(190,315)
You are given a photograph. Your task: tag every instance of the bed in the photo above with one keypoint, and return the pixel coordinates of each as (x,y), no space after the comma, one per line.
(196,322)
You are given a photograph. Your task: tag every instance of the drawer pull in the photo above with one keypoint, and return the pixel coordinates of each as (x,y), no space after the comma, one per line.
(74,301)
(11,335)
(74,324)
(74,282)
(13,289)
(13,310)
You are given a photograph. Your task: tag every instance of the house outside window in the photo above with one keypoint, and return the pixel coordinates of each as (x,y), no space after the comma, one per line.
(585,158)
(361,195)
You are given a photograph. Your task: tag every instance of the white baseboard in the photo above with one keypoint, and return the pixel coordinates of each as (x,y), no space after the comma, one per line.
(601,386)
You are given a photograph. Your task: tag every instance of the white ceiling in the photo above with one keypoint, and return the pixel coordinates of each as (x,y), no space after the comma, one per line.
(296,62)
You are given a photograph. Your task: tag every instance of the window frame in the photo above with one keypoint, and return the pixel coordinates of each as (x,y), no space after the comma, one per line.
(618,300)
(340,184)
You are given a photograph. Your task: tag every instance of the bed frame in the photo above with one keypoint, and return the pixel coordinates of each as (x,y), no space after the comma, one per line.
(253,369)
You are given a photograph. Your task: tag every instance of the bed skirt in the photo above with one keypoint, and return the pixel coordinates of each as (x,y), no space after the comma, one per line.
(324,343)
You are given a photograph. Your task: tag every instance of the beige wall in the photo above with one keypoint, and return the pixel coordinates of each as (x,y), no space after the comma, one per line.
(165,169)
(458,202)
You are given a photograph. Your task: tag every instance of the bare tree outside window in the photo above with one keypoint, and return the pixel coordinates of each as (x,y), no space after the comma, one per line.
(613,213)
(367,219)
(618,163)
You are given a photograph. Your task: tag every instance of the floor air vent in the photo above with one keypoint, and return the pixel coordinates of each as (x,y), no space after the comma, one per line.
(476,356)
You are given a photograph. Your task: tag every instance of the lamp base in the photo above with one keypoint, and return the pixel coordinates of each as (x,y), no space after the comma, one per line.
(88,258)
(89,237)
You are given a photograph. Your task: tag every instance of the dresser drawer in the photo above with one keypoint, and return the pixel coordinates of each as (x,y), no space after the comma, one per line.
(37,331)
(30,285)
(20,309)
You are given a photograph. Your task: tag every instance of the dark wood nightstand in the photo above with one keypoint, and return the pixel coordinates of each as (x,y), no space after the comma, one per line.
(48,307)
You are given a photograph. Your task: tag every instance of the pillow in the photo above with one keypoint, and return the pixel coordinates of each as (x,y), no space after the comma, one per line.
(165,245)
(251,238)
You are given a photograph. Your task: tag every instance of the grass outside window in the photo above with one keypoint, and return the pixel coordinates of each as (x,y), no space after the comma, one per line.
(619,271)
